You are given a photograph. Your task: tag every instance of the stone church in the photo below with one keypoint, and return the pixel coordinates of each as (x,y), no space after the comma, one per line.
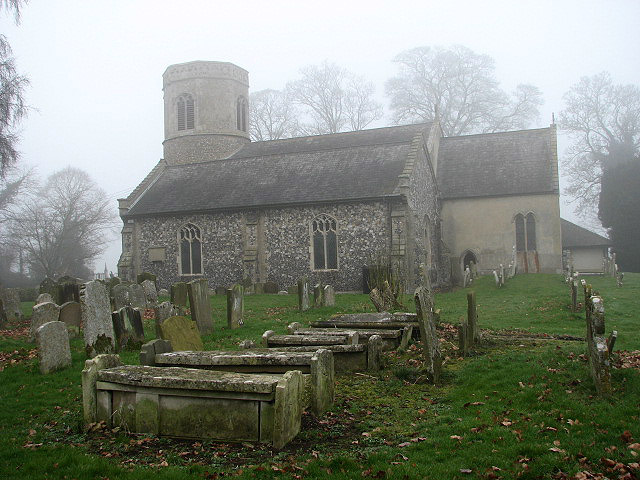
(221,207)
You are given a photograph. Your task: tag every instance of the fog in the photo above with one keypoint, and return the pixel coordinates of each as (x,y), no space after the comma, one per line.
(96,67)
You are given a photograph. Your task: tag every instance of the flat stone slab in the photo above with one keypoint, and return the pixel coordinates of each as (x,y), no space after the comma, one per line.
(391,338)
(270,339)
(370,321)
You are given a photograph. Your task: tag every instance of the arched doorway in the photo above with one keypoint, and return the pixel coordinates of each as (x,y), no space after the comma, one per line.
(467,258)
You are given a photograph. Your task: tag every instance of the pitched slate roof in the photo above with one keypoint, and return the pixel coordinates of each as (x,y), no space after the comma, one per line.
(506,163)
(342,166)
(576,236)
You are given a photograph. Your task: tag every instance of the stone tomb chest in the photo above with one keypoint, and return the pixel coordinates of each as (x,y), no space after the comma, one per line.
(195,403)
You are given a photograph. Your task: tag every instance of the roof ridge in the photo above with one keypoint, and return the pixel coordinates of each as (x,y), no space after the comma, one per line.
(521,130)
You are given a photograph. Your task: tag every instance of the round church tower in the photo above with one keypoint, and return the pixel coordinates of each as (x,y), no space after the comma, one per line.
(206,114)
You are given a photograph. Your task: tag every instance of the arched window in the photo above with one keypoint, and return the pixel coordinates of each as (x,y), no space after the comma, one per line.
(525,232)
(324,243)
(241,114)
(186,112)
(520,235)
(531,232)
(190,245)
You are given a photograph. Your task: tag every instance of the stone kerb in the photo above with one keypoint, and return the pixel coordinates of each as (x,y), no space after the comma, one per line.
(235,306)
(199,301)
(303,294)
(99,336)
(428,334)
(71,315)
(43,313)
(89,380)
(54,351)
(182,333)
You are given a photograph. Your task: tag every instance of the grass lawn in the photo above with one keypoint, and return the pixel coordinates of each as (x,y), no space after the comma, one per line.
(520,406)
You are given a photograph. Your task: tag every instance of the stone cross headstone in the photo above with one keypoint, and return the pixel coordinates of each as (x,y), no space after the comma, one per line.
(303,294)
(71,316)
(428,333)
(45,298)
(182,333)
(329,296)
(138,297)
(472,318)
(199,302)
(164,311)
(54,351)
(127,326)
(235,306)
(150,292)
(318,295)
(43,313)
(99,336)
(179,294)
(121,296)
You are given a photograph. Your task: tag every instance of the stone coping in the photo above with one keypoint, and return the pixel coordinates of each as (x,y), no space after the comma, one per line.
(190,378)
(244,357)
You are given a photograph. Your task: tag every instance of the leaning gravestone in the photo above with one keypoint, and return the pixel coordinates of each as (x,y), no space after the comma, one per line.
(200,305)
(329,296)
(54,352)
(150,292)
(43,313)
(127,326)
(138,297)
(121,296)
(45,297)
(179,294)
(235,306)
(428,333)
(303,294)
(164,311)
(182,333)
(99,336)
(71,316)
(318,295)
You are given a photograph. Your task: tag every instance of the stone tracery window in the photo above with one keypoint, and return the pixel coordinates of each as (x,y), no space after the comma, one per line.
(241,114)
(190,246)
(324,243)
(186,112)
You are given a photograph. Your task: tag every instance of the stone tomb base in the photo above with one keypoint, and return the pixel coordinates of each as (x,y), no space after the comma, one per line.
(193,403)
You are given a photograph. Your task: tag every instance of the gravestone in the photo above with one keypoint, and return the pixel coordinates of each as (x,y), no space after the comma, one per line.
(149,350)
(99,336)
(128,329)
(121,296)
(54,352)
(303,294)
(502,278)
(472,319)
(43,313)
(598,349)
(150,292)
(45,298)
(11,300)
(179,294)
(199,302)
(235,306)
(271,287)
(473,268)
(163,292)
(466,277)
(496,278)
(51,287)
(68,289)
(329,296)
(619,279)
(89,380)
(3,315)
(428,333)
(137,297)
(164,311)
(182,333)
(71,316)
(141,277)
(318,295)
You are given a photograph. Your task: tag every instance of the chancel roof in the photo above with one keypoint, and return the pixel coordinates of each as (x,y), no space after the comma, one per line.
(325,168)
(507,163)
(576,236)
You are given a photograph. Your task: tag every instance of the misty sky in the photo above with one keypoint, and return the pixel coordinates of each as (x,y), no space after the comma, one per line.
(96,66)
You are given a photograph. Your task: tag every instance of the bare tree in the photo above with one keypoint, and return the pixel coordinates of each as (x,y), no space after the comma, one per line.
(333,99)
(459,86)
(603,120)
(272,116)
(63,225)
(12,103)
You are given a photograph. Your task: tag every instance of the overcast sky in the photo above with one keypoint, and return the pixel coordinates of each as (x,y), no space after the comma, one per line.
(96,66)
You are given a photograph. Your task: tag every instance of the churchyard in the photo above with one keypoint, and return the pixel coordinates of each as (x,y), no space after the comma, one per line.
(520,404)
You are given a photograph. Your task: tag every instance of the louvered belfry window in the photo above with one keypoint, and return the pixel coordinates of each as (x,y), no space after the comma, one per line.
(190,241)
(186,112)
(324,243)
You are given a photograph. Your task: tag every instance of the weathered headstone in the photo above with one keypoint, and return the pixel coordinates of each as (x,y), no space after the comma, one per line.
(137,296)
(141,277)
(179,294)
(428,333)
(501,274)
(574,295)
(89,380)
(318,295)
(329,296)
(182,333)
(54,352)
(235,306)
(466,277)
(199,302)
(3,315)
(303,294)
(71,316)
(597,347)
(472,318)
(43,313)
(149,350)
(150,292)
(51,287)
(45,298)
(619,279)
(473,268)
(68,289)
(496,278)
(99,336)
(128,328)
(463,338)
(163,292)
(164,311)
(11,300)
(121,296)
